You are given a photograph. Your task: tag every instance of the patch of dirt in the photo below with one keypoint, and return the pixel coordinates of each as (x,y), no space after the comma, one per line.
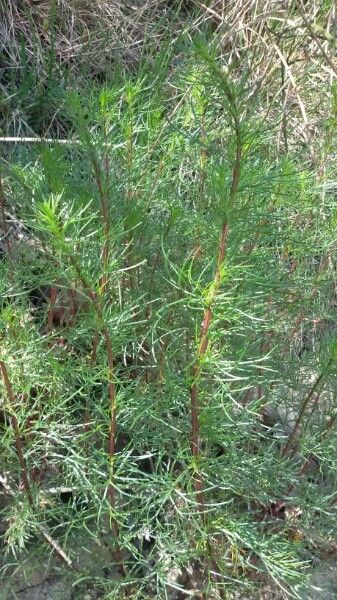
(48,590)
(38,578)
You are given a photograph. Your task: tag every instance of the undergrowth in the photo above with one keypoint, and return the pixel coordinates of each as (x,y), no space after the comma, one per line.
(168,341)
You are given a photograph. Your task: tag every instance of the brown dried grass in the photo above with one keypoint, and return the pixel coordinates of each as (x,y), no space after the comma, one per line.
(288,47)
(80,30)
(124,26)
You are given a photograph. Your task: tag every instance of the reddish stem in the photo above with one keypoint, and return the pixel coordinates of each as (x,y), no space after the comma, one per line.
(72,307)
(112,397)
(93,359)
(205,328)
(50,316)
(96,303)
(18,440)
(304,408)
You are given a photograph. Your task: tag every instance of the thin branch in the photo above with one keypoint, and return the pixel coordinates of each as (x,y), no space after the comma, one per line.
(313,32)
(96,303)
(41,140)
(6,230)
(304,406)
(41,528)
(17,436)
(56,547)
(208,316)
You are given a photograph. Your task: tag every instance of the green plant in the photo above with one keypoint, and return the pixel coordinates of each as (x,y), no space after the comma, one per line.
(172,273)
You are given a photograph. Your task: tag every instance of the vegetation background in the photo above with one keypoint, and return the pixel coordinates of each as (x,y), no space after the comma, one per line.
(168,299)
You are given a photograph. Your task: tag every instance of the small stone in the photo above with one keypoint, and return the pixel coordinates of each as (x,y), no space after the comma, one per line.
(87,597)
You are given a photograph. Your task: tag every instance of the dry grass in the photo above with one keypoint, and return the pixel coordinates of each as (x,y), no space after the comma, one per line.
(288,47)
(81,30)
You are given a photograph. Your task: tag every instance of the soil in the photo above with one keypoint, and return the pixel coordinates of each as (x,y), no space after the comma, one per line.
(45,584)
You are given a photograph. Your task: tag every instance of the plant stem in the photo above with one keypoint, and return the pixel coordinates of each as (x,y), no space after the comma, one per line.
(18,440)
(205,327)
(204,341)
(96,303)
(50,315)
(6,231)
(103,192)
(304,407)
